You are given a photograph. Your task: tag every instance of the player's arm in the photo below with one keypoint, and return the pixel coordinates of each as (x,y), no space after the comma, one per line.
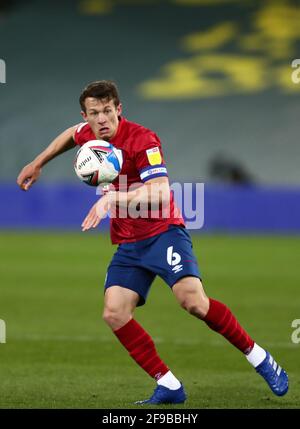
(31,172)
(155,192)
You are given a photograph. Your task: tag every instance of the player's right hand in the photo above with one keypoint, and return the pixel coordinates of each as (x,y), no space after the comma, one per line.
(28,175)
(96,213)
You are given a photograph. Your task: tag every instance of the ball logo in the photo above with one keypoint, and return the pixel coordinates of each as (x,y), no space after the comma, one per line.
(173,259)
(82,164)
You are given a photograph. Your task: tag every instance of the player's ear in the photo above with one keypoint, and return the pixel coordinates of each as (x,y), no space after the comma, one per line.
(119,109)
(84,115)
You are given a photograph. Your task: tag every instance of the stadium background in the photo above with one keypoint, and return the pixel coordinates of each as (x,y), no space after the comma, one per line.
(214,80)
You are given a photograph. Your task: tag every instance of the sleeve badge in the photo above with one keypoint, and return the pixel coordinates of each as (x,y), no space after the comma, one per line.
(154,156)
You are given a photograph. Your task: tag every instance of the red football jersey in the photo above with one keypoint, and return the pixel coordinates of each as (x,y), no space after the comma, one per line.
(142,160)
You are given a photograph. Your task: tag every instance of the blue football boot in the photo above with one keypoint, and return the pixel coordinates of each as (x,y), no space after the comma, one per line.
(163,395)
(275,376)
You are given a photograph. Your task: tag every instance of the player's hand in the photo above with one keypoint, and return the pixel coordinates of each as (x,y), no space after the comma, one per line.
(28,175)
(96,214)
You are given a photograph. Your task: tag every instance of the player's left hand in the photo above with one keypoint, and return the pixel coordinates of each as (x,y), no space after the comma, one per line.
(96,214)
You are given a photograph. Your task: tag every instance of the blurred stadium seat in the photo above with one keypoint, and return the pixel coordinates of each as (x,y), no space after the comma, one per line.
(216,79)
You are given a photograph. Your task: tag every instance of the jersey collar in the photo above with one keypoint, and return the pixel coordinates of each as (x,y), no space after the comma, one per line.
(120,130)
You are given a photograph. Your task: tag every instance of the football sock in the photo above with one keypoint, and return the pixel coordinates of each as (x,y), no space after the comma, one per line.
(170,381)
(256,356)
(220,319)
(141,348)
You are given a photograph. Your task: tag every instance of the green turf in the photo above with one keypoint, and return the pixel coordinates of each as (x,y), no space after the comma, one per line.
(60,354)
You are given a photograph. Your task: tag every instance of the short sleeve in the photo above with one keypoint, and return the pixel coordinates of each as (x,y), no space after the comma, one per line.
(149,159)
(82,133)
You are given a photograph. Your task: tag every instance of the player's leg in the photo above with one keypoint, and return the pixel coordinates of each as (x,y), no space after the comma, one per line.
(191,296)
(119,305)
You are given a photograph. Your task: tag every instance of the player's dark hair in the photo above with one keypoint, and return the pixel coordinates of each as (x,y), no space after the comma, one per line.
(101,89)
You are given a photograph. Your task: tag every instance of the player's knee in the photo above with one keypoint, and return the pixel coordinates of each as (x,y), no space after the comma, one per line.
(191,296)
(197,308)
(115,318)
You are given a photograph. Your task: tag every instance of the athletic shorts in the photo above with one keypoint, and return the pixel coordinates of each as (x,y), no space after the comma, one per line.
(169,255)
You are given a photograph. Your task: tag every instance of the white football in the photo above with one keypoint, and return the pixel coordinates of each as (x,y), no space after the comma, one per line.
(98,162)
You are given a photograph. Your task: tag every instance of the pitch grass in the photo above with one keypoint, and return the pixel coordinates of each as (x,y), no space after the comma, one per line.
(60,354)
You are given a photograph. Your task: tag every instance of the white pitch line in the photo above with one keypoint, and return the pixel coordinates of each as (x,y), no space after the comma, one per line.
(158,340)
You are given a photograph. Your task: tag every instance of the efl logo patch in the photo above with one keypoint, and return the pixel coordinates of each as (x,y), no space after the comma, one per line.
(154,156)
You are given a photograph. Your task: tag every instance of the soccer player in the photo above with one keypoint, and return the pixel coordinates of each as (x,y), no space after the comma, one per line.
(147,246)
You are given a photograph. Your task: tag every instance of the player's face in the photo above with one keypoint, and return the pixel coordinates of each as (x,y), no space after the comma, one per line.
(102,116)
